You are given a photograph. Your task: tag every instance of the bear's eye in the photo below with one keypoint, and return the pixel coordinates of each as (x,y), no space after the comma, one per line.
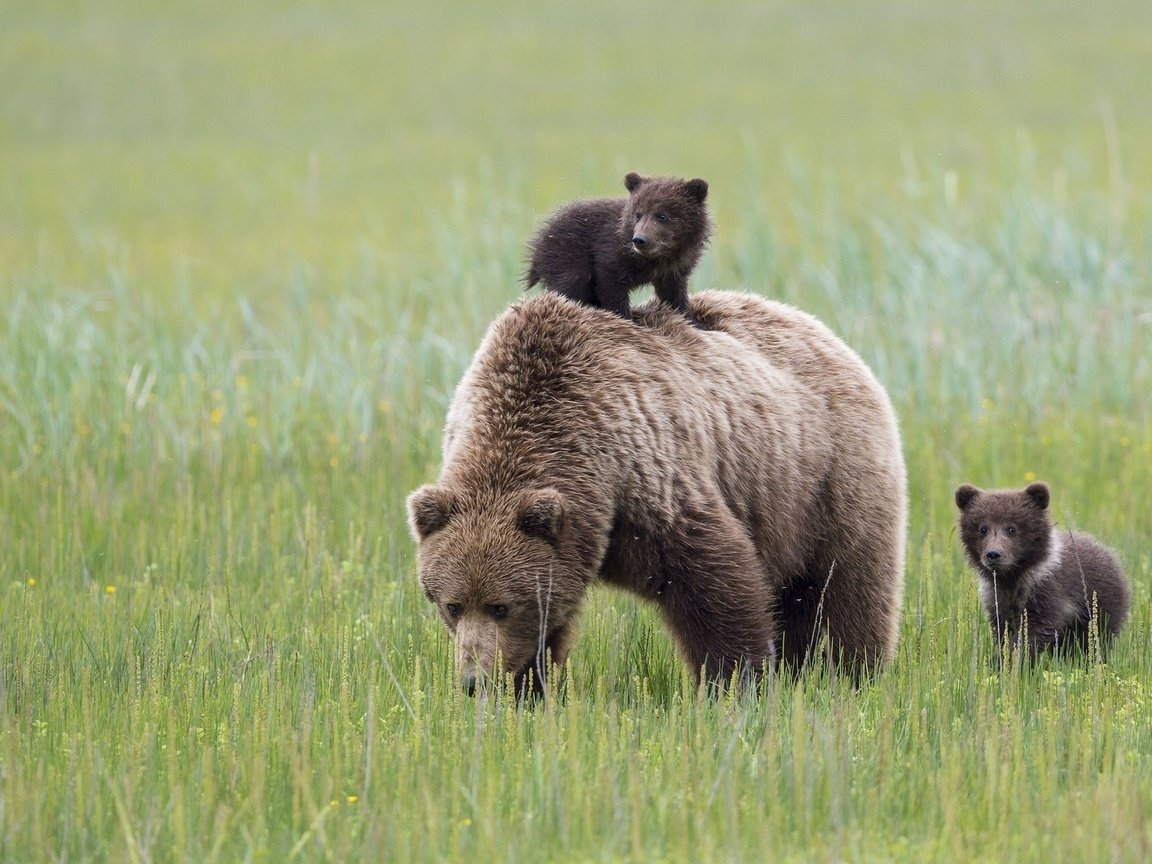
(498,611)
(638,214)
(1010,530)
(662,217)
(983,530)
(453,609)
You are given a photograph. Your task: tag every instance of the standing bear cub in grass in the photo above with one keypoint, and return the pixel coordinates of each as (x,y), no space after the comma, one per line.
(1033,576)
(745,477)
(596,252)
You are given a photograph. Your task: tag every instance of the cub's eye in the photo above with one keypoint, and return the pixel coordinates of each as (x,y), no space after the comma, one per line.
(453,609)
(1010,530)
(662,217)
(637,215)
(498,611)
(983,530)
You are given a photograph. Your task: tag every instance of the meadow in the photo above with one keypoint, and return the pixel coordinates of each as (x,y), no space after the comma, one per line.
(246,251)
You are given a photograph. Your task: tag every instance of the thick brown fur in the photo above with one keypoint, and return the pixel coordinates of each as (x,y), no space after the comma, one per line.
(595,252)
(747,478)
(1034,579)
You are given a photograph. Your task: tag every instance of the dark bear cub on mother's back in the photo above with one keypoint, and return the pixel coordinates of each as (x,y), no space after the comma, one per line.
(596,252)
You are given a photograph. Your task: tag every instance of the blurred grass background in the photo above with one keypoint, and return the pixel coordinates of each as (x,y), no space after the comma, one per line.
(247,250)
(219,140)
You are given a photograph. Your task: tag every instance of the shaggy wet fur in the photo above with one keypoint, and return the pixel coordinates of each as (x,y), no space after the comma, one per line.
(1035,580)
(747,479)
(595,252)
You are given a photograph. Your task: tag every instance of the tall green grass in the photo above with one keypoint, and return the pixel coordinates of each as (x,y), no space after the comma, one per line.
(245,254)
(214,647)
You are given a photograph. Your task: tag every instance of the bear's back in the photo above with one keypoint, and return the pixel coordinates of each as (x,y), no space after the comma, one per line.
(550,369)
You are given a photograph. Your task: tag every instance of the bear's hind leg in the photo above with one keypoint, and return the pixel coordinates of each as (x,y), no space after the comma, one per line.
(575,285)
(800,613)
(611,288)
(848,610)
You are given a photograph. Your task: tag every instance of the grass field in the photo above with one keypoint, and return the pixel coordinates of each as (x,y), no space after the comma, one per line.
(246,251)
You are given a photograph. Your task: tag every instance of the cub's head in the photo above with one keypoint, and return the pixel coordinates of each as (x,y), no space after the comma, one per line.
(1004,531)
(500,570)
(665,214)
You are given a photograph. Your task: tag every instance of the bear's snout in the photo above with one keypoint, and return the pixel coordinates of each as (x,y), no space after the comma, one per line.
(639,241)
(992,556)
(475,652)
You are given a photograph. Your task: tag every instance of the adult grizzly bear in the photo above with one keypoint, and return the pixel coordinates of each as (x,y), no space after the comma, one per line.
(747,478)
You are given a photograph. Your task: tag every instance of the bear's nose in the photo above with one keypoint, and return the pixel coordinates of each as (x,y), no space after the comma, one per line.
(639,240)
(992,555)
(468,685)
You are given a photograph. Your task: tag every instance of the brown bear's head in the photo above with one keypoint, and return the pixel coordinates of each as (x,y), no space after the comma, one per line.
(498,568)
(665,215)
(1007,531)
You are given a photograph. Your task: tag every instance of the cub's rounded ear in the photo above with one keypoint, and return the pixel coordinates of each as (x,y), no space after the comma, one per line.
(429,509)
(965,494)
(632,181)
(1039,494)
(697,190)
(542,513)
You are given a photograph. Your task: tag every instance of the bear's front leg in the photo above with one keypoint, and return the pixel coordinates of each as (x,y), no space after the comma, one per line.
(1049,633)
(535,679)
(714,596)
(673,291)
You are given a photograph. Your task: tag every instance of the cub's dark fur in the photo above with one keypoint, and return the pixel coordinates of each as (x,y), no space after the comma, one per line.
(597,251)
(1029,570)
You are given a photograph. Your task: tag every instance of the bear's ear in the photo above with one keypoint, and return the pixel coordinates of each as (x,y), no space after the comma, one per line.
(429,509)
(633,181)
(965,494)
(697,190)
(1039,494)
(542,514)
